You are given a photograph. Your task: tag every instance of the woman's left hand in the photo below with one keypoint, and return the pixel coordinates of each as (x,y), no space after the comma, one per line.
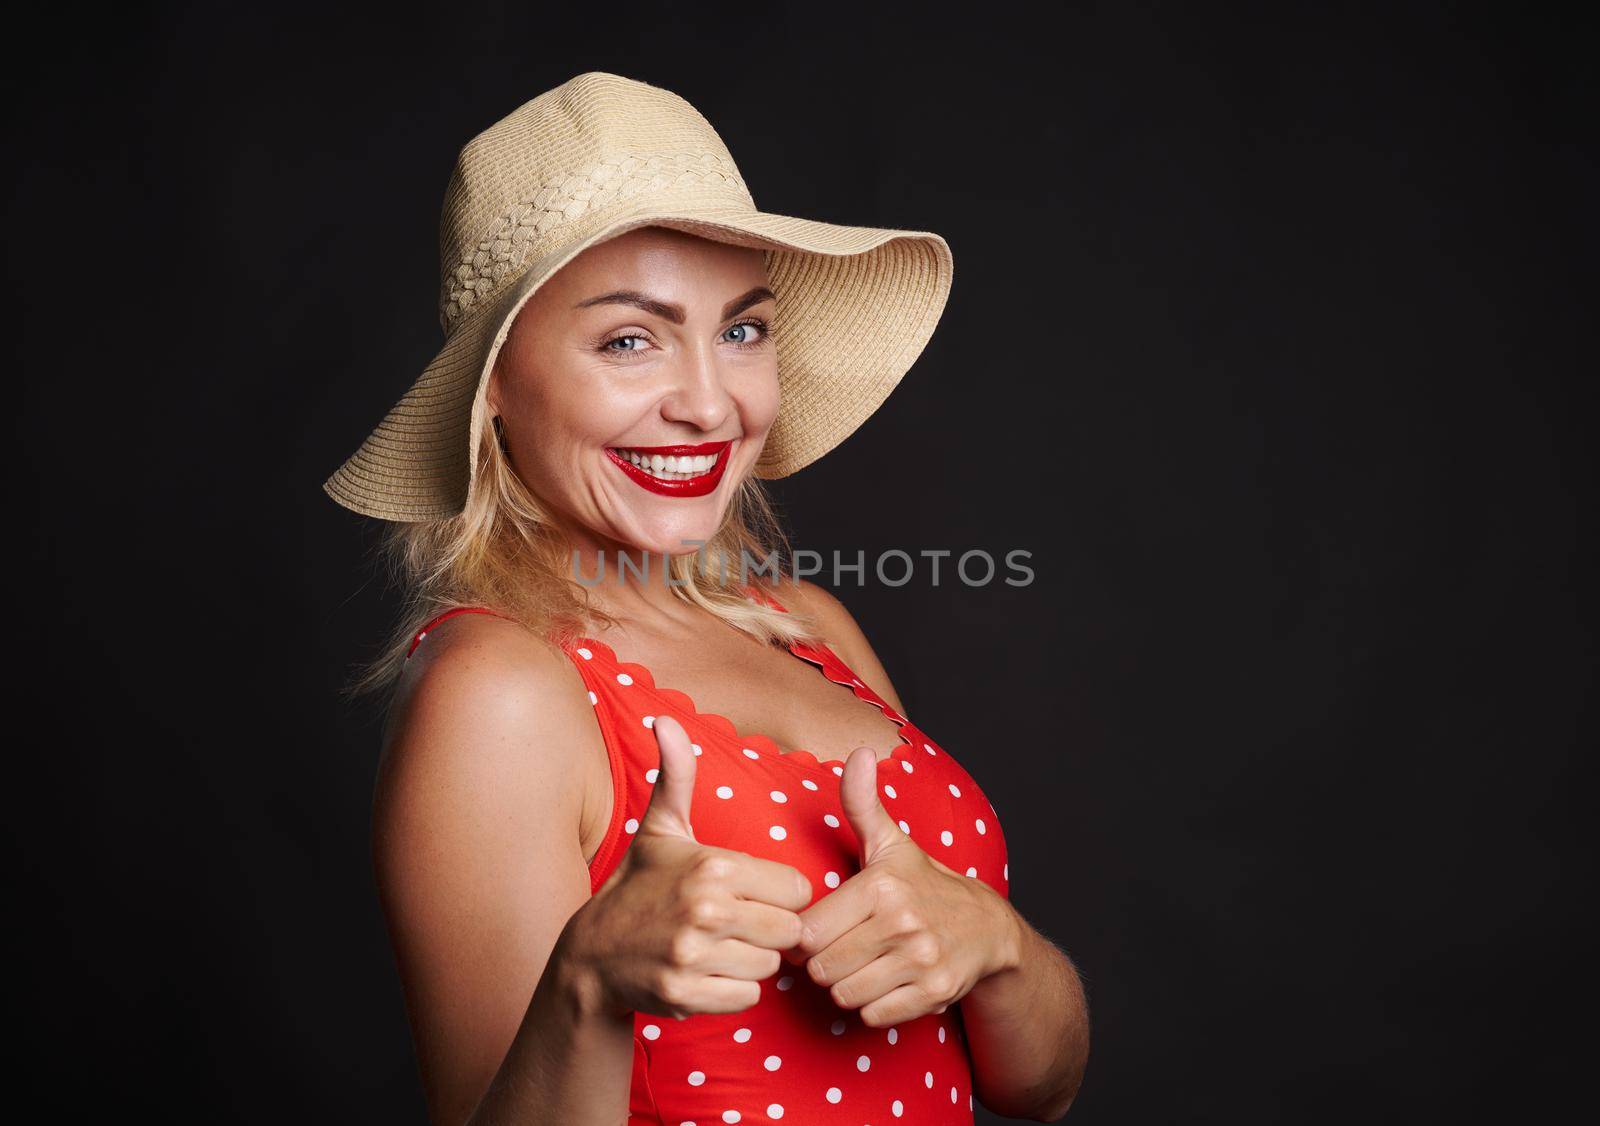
(905,935)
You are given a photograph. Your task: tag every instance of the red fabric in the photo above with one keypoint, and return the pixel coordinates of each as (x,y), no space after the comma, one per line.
(795,1054)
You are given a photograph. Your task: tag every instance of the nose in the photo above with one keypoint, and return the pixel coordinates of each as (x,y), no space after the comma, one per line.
(699,395)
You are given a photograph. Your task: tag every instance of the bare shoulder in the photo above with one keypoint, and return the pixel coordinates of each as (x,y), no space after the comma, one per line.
(486,720)
(490,677)
(843,635)
(477,827)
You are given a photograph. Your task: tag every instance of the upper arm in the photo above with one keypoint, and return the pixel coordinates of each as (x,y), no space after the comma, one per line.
(476,843)
(844,636)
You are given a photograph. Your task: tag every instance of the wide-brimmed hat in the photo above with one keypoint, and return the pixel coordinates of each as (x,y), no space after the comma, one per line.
(596,156)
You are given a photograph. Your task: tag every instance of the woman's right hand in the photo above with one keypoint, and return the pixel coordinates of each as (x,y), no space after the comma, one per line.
(681,927)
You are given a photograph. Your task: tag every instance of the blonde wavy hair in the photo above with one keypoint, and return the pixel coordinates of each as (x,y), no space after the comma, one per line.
(505,552)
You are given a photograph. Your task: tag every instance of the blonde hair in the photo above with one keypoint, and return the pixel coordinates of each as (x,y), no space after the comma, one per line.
(506,553)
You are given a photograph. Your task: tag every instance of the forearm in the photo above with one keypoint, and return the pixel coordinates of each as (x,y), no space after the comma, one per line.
(570,1062)
(1027,1028)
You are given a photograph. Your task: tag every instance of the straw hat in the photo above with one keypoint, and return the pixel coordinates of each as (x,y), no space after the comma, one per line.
(596,156)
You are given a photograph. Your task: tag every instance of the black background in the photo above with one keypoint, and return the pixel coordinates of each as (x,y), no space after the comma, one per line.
(1266,339)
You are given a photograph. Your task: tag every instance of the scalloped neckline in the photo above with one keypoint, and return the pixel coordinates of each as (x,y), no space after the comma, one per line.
(642,675)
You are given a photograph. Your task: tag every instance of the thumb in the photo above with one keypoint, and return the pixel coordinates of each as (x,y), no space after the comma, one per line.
(858,791)
(668,811)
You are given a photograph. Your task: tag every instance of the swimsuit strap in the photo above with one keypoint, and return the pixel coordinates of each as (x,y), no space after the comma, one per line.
(431,622)
(752,590)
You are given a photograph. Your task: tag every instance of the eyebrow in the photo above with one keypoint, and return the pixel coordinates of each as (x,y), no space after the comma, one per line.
(674,313)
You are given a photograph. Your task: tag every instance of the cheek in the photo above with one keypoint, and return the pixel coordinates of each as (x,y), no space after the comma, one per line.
(758,405)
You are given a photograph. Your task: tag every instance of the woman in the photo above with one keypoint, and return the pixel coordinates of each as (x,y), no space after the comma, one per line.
(640,862)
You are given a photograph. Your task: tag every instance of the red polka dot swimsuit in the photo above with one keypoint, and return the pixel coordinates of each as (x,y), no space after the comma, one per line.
(794,1055)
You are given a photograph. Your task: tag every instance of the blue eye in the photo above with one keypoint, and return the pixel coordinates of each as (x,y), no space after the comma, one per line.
(743,329)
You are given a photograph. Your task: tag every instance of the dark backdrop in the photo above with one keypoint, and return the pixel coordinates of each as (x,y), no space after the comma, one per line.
(1265,339)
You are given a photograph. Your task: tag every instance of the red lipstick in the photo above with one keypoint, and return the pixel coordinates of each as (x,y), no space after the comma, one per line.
(688,486)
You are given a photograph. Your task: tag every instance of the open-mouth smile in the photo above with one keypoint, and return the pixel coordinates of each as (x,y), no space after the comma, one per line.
(674,471)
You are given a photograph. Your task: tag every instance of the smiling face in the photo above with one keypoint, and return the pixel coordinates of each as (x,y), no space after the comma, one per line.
(637,386)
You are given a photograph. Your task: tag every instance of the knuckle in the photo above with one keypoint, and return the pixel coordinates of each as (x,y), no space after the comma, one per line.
(940,985)
(923,950)
(706,912)
(684,948)
(713,867)
(672,989)
(907,920)
(887,889)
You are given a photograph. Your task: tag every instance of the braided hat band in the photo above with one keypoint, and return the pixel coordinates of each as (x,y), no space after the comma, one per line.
(589,160)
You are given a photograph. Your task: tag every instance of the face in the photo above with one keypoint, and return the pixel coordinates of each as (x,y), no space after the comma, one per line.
(637,386)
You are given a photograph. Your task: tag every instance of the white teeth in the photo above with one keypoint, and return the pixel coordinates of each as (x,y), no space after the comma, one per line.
(671,468)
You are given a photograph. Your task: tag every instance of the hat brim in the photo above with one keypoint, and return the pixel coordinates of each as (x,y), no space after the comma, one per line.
(855,308)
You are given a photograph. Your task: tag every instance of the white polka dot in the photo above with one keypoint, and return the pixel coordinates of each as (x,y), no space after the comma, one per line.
(830,820)
(982,828)
(774,1110)
(731,1116)
(772,1063)
(834,1094)
(946,837)
(1005,869)
(837,1028)
(929,749)
(648,721)
(624,678)
(972,871)
(652,774)
(785,982)
(839,770)
(894,1036)
(748,753)
(777,832)
(904,828)
(585,654)
(941,1034)
(863,1062)
(742,1036)
(695,747)
(808,783)
(651,1031)
(905,763)
(696,1078)
(927,1079)
(779,796)
(952,1094)
(890,791)
(593,699)
(898,1108)
(724,792)
(632,825)
(831,879)
(955,791)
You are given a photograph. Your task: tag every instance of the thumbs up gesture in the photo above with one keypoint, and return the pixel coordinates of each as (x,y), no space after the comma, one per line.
(906,935)
(682,927)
